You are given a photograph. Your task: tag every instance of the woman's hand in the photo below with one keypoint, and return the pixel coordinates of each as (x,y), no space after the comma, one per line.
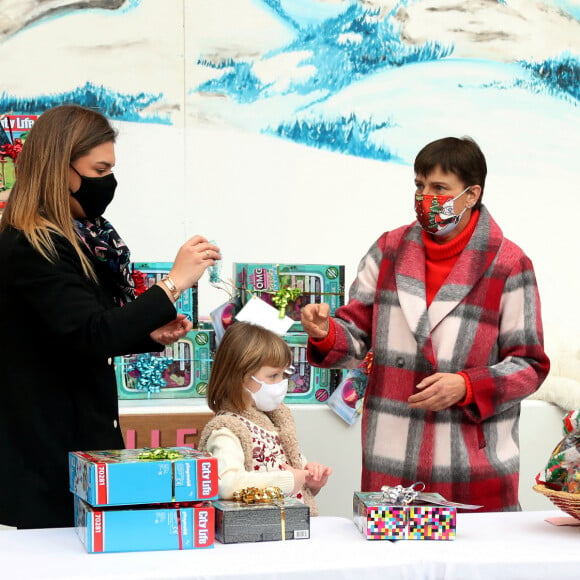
(438,391)
(172,331)
(315,320)
(317,477)
(192,259)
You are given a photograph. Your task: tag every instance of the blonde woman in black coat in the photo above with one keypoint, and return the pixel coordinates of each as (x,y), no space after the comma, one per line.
(67,307)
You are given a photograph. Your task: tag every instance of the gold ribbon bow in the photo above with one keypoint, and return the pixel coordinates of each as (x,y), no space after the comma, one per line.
(255,495)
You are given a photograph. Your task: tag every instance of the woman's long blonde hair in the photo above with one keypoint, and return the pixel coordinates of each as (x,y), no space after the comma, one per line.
(243,350)
(39,203)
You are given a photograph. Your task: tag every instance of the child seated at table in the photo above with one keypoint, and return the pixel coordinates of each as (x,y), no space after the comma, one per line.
(253,434)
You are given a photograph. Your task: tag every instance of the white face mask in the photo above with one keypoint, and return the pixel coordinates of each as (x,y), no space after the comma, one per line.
(269,396)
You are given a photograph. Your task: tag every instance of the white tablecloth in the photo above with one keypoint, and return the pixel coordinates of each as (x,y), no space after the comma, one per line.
(496,546)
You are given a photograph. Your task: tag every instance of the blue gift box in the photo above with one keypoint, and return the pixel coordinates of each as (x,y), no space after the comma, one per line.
(130,476)
(145,527)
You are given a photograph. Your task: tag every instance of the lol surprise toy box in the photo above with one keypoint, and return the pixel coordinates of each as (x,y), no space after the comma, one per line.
(311,282)
(405,513)
(308,384)
(180,371)
(143,476)
(183,526)
(147,274)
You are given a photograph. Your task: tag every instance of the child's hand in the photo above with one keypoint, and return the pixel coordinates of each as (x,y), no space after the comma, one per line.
(317,477)
(299,477)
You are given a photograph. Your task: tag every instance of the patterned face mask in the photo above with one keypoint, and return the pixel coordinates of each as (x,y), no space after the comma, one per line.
(435,213)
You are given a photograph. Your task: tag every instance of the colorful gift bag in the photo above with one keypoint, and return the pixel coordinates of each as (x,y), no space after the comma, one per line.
(562,471)
(347,399)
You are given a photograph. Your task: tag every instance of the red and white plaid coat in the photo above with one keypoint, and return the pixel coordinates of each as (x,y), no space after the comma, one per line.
(485,321)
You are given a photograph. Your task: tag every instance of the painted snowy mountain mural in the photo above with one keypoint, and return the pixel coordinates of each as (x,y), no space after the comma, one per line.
(374,78)
(369,78)
(85,44)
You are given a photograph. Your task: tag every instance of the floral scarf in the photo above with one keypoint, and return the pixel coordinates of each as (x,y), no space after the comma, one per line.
(105,244)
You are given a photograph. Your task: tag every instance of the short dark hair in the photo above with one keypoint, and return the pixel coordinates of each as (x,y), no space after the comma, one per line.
(453,155)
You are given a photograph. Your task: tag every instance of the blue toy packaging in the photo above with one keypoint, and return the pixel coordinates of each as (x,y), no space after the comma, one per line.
(308,384)
(152,272)
(316,282)
(180,371)
(143,476)
(146,527)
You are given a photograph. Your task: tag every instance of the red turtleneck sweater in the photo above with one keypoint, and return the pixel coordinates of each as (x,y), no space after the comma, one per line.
(440,258)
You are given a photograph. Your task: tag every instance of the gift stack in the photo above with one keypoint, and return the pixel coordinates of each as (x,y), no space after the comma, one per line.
(399,513)
(144,499)
(288,288)
(182,369)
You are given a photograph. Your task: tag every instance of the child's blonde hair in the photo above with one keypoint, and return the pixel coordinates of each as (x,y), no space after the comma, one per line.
(243,350)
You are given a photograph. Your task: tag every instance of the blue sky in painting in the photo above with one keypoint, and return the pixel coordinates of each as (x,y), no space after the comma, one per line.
(349,47)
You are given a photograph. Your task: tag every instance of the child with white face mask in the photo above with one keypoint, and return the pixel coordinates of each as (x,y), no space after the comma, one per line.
(253,434)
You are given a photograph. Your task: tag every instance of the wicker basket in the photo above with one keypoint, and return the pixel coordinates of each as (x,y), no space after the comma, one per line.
(567,502)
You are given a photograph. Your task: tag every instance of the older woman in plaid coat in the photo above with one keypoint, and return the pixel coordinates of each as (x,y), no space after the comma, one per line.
(453,320)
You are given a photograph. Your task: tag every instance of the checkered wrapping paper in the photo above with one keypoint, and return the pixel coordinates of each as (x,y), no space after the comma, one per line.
(413,522)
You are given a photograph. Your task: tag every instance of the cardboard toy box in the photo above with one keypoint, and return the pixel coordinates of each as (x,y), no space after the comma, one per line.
(129,477)
(13,132)
(154,271)
(180,371)
(237,522)
(308,384)
(378,520)
(146,527)
(319,282)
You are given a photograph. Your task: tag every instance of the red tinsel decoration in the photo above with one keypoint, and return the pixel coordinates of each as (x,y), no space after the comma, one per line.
(139,278)
(11,150)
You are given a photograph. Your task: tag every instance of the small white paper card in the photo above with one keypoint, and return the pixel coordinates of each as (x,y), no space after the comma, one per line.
(258,312)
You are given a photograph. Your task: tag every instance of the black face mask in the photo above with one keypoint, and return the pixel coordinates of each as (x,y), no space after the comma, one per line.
(95,193)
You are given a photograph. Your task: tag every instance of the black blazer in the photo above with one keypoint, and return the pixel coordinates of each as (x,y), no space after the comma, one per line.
(59,333)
